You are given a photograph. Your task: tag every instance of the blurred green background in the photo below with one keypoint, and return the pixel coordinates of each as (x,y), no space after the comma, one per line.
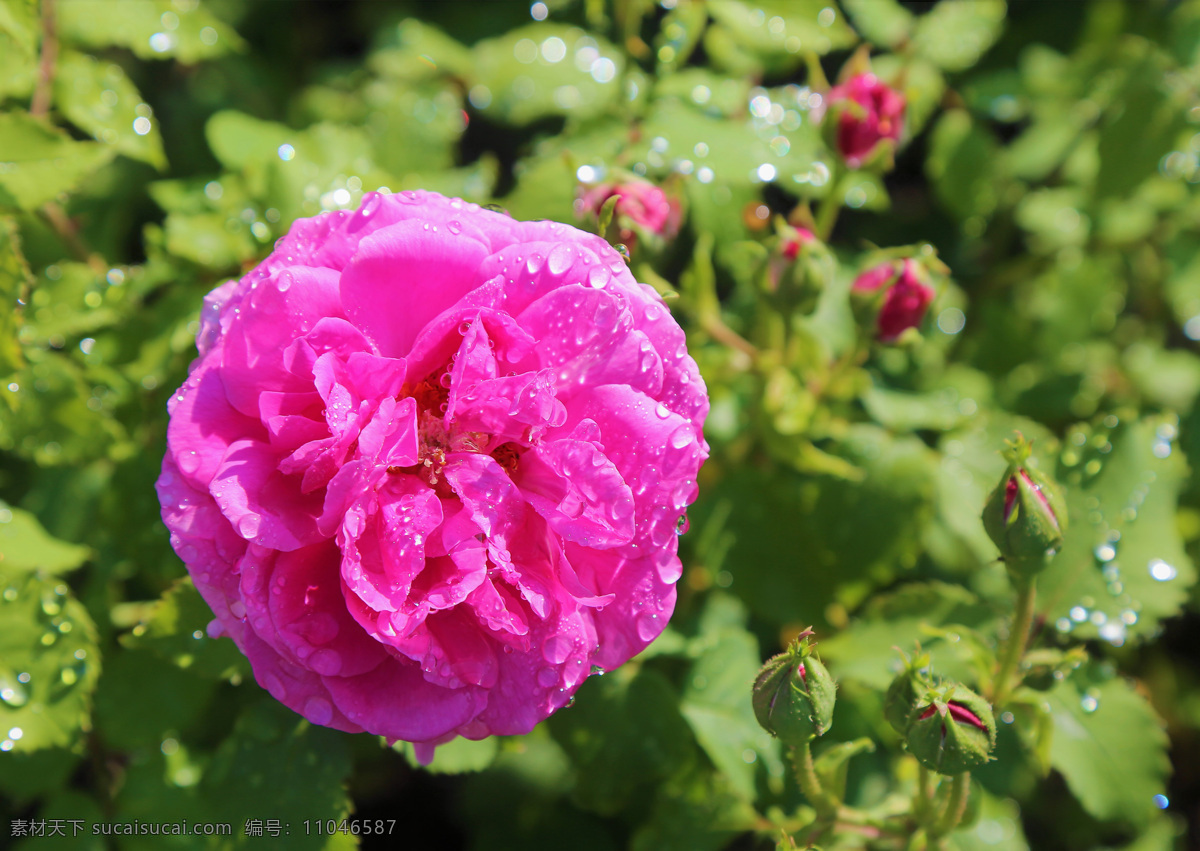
(1050,161)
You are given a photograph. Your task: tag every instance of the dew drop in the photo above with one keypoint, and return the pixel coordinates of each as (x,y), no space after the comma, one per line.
(275,686)
(682,524)
(599,277)
(326,662)
(682,436)
(454,227)
(248,525)
(560,259)
(1160,571)
(318,710)
(547,677)
(238,609)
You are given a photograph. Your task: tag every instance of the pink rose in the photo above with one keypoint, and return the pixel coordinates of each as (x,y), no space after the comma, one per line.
(640,205)
(428,467)
(905,301)
(879,115)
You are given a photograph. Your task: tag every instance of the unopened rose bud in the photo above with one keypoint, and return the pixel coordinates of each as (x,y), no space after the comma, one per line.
(641,207)
(899,295)
(869,112)
(793,240)
(1025,516)
(952,730)
(794,695)
(798,269)
(900,702)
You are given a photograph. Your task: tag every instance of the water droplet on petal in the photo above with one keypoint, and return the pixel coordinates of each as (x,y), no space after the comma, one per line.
(318,710)
(327,663)
(547,677)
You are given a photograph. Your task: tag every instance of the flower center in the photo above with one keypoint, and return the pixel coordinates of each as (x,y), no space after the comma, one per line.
(435,441)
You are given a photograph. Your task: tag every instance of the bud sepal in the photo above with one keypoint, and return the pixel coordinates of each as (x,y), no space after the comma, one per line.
(794,694)
(1026,515)
(952,730)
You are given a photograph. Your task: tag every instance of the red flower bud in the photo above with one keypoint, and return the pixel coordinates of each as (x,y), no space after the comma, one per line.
(871,112)
(794,242)
(904,302)
(640,205)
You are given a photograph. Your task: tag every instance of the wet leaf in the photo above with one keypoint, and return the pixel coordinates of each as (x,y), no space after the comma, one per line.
(955,35)
(1109,745)
(545,69)
(49,663)
(100,99)
(1123,566)
(41,161)
(716,703)
(152,29)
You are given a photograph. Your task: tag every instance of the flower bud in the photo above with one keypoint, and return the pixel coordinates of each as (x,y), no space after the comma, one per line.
(641,209)
(905,691)
(797,270)
(1025,516)
(869,112)
(898,295)
(952,730)
(794,694)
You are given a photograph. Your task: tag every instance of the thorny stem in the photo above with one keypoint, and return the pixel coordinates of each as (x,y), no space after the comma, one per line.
(831,206)
(1014,647)
(956,805)
(40,104)
(806,775)
(722,333)
(923,799)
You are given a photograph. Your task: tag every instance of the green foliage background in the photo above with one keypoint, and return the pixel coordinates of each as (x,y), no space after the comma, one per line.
(1050,160)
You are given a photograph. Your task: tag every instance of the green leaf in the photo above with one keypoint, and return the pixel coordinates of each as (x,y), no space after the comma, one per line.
(302,767)
(49,663)
(882,22)
(152,29)
(1109,745)
(545,69)
(1123,566)
(1139,130)
(170,701)
(41,162)
(623,734)
(176,630)
(238,139)
(101,100)
(694,812)
(215,240)
(997,827)
(18,48)
(48,418)
(954,35)
(681,30)
(25,546)
(863,651)
(771,510)
(774,28)
(737,153)
(298,173)
(716,703)
(458,756)
(902,411)
(963,165)
(971,467)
